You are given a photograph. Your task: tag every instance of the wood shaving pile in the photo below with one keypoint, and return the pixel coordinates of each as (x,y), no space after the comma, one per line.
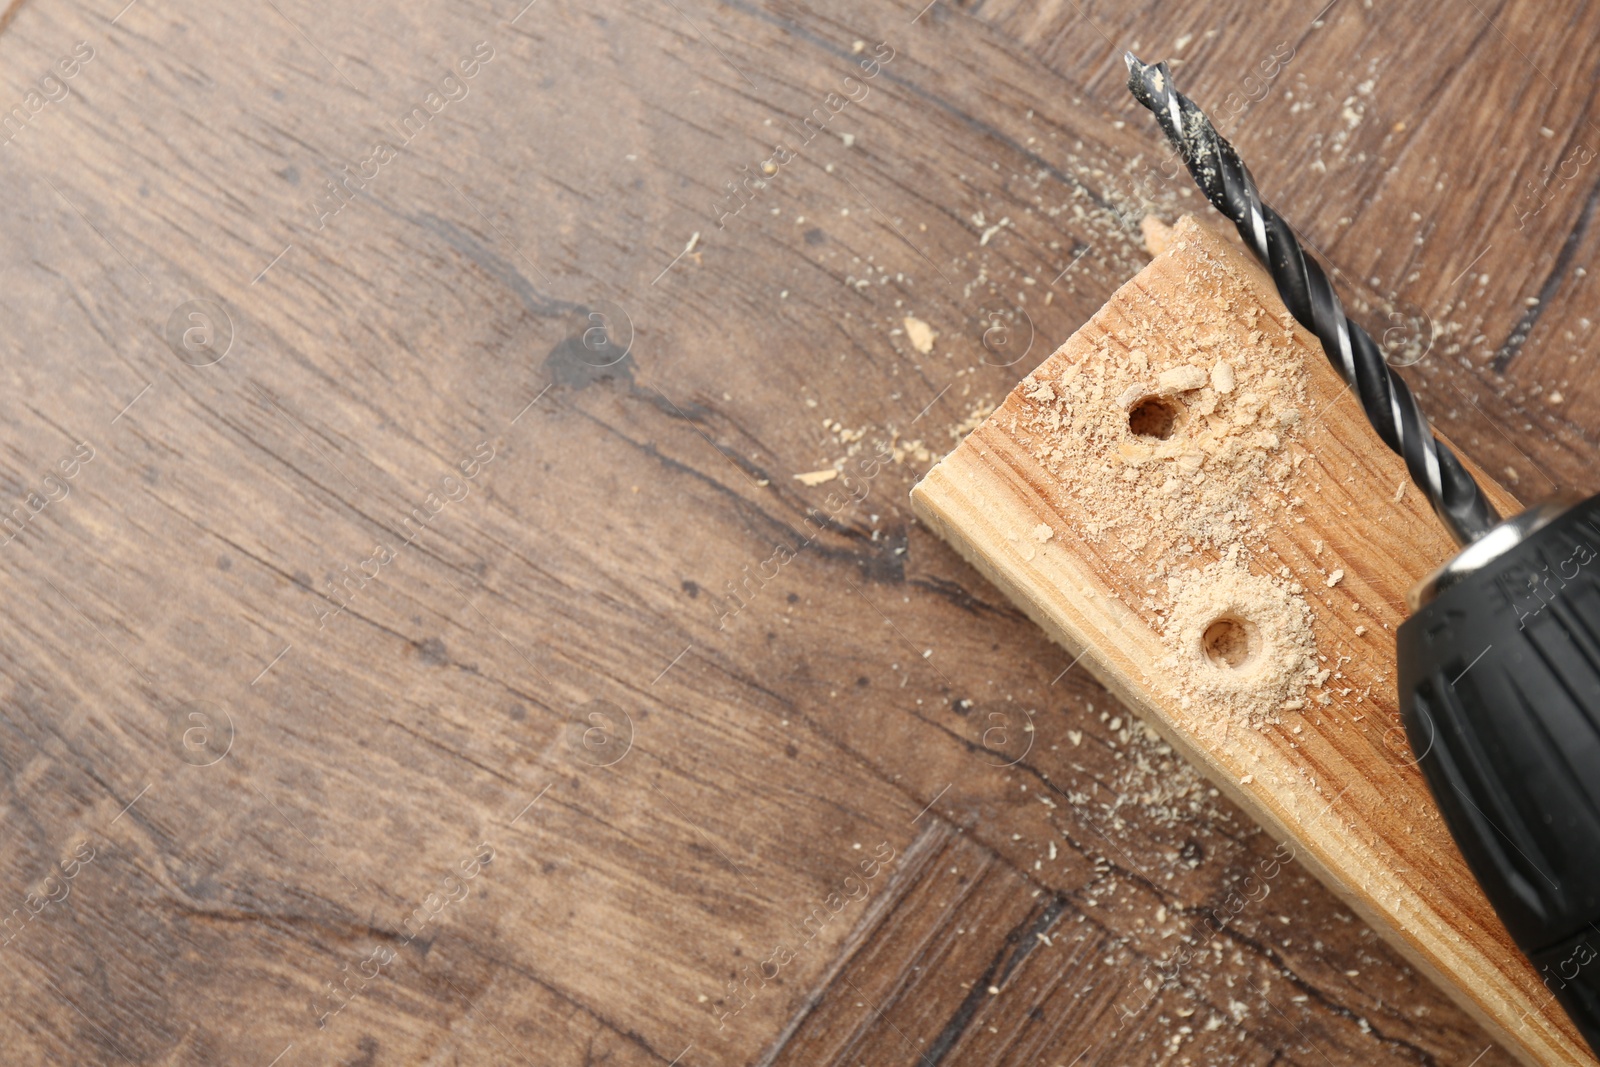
(1222,474)
(1187,500)
(1282,660)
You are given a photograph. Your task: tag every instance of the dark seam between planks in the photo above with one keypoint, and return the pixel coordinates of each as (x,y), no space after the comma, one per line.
(1530,317)
(980,989)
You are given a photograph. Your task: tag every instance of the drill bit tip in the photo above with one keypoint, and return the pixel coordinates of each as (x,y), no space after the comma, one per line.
(1146,81)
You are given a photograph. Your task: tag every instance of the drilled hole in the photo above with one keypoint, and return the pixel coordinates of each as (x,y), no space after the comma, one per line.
(1154,416)
(1229,643)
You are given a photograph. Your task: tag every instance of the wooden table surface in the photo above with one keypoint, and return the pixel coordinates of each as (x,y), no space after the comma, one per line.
(419,646)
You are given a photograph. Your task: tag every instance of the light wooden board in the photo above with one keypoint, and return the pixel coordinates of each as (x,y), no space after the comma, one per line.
(1327,770)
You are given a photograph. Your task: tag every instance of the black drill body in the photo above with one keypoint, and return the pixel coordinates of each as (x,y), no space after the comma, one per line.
(1499,689)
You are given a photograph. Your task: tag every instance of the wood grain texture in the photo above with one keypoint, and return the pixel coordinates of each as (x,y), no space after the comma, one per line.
(543,659)
(1326,769)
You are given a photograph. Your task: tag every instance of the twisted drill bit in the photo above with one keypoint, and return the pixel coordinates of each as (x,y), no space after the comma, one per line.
(1305,290)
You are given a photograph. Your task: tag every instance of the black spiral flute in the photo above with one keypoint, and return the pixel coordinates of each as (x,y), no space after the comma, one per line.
(1310,298)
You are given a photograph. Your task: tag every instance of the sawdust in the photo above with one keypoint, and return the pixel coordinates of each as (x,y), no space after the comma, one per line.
(1241,643)
(889,442)
(977,413)
(1169,441)
(1147,777)
(1173,442)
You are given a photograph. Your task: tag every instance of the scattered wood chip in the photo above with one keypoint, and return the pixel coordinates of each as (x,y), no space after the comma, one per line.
(1222,377)
(920,334)
(1181,379)
(816,477)
(1157,234)
(1335,578)
(1131,395)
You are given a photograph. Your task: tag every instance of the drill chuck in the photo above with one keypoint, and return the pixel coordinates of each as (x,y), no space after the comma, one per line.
(1500,695)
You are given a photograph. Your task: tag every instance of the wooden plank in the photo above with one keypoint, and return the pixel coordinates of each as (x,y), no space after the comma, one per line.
(1187,495)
